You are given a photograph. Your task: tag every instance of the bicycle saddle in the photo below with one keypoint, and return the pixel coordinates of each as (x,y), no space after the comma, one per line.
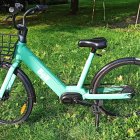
(96,43)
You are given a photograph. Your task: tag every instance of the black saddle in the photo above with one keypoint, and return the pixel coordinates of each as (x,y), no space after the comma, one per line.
(95,43)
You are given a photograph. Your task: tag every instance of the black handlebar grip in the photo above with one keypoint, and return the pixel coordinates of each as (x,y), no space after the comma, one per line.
(19,6)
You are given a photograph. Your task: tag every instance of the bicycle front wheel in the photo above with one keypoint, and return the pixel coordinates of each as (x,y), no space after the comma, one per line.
(120,76)
(16,104)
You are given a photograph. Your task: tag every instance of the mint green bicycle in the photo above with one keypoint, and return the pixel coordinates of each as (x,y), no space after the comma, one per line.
(115,89)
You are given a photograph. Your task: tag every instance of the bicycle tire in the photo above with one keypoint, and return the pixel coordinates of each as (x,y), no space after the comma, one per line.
(118,72)
(14,109)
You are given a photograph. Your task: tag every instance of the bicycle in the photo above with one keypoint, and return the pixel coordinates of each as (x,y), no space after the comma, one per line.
(116,82)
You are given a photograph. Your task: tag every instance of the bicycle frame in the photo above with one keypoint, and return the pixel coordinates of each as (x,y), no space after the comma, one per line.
(22,53)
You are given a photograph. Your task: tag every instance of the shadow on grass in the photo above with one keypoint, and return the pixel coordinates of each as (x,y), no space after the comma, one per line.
(117,15)
(47,107)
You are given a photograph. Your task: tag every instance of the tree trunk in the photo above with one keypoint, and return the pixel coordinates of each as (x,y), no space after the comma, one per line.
(74,6)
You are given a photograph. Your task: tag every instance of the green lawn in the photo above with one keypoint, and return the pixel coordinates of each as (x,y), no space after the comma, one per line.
(53,36)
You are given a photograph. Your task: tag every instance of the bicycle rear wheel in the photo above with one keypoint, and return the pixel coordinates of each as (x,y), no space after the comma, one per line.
(124,76)
(16,104)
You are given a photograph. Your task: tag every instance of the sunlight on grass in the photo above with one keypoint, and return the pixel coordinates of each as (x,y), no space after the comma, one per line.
(53,36)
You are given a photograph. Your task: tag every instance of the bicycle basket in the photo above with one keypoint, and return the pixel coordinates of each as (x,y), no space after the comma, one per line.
(7,47)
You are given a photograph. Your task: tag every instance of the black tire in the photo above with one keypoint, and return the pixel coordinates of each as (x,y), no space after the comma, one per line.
(124,73)
(16,104)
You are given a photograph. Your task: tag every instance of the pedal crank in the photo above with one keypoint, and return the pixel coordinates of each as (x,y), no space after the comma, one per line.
(71,98)
(74,98)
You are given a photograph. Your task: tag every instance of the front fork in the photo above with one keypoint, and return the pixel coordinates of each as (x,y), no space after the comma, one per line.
(9,79)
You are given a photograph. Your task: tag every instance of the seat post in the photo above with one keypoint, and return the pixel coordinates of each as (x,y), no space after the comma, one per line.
(85,70)
(93,50)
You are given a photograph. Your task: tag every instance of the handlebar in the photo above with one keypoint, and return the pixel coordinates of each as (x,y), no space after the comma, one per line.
(22,27)
(38,8)
(18,7)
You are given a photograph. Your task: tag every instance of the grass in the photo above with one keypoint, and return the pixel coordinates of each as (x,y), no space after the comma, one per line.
(53,36)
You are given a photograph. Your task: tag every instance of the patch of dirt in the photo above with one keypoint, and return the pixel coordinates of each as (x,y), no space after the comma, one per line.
(128,21)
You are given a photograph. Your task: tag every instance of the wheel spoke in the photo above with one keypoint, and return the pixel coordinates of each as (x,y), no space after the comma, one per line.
(125,75)
(17,103)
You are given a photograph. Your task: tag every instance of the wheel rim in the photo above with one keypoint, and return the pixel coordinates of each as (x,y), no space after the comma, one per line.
(14,105)
(123,76)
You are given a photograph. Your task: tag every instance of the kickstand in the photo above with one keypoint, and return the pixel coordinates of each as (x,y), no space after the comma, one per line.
(96,112)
